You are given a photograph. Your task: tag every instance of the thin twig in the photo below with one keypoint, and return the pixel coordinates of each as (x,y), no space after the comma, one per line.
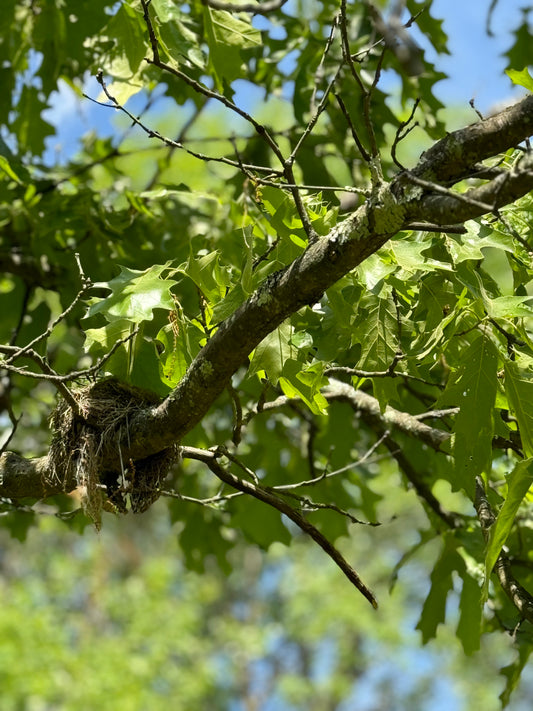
(362,150)
(86,285)
(14,422)
(429,227)
(423,490)
(205,91)
(436,188)
(222,451)
(56,378)
(28,290)
(271,499)
(48,373)
(310,505)
(367,458)
(152,133)
(390,372)
(211,501)
(304,186)
(401,132)
(319,73)
(237,415)
(350,62)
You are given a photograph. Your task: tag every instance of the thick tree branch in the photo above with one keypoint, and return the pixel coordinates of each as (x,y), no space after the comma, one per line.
(502,190)
(259,8)
(390,209)
(451,159)
(20,478)
(348,244)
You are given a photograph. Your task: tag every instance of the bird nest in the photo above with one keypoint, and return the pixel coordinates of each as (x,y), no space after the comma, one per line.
(82,443)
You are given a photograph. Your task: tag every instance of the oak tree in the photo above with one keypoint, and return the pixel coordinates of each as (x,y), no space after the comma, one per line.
(258,291)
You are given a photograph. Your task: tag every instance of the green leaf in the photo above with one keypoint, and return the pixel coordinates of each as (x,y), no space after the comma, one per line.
(374,270)
(207,274)
(258,522)
(468,246)
(226,36)
(521,78)
(518,484)
(471,611)
(519,391)
(201,536)
(508,307)
(376,331)
(473,390)
(181,342)
(228,30)
(127,28)
(408,255)
(19,524)
(513,671)
(247,273)
(8,170)
(101,340)
(280,211)
(228,305)
(134,295)
(434,610)
(29,125)
(304,385)
(272,353)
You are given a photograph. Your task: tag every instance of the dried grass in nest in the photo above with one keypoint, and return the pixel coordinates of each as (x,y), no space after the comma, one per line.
(78,446)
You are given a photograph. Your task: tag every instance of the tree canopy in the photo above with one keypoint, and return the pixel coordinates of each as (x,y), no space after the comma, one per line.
(279,281)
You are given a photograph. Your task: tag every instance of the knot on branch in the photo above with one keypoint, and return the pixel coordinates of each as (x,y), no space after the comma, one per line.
(81,446)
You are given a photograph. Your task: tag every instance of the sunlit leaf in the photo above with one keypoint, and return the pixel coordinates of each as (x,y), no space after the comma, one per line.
(134,295)
(522,78)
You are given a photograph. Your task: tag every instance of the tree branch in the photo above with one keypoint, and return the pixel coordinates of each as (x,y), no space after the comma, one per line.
(452,158)
(519,596)
(20,478)
(304,281)
(259,8)
(391,418)
(267,496)
(502,190)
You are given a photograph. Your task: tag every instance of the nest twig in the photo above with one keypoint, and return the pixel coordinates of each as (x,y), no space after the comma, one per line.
(78,445)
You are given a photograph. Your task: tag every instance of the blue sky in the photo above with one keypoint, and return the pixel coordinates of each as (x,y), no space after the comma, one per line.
(476,65)
(475,68)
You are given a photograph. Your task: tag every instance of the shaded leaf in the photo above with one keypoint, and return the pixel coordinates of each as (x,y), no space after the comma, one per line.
(258,522)
(519,390)
(471,611)
(434,610)
(473,390)
(272,353)
(518,484)
(512,672)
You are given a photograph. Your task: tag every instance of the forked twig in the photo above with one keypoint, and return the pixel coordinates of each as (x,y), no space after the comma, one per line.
(268,497)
